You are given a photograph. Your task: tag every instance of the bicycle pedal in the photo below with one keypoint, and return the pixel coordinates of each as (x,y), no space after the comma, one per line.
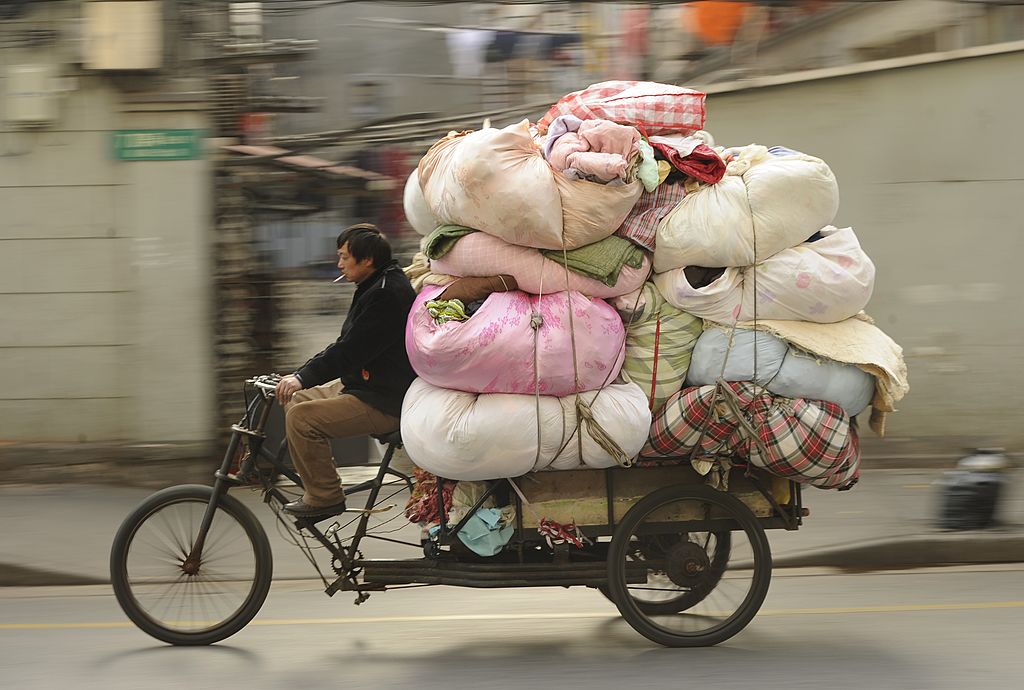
(370,511)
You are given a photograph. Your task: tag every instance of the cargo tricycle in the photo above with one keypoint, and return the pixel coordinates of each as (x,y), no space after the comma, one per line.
(686,565)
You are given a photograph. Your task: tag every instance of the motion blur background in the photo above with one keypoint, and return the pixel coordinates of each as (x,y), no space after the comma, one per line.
(173,174)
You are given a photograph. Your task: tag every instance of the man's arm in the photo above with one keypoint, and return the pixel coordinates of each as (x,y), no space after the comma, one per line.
(380,323)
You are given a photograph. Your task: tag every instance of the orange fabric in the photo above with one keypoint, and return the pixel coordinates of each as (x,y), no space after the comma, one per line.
(716,23)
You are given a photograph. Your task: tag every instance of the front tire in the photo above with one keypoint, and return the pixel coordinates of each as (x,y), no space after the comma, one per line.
(182,603)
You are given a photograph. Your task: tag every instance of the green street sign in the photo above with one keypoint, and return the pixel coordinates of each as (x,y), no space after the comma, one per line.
(158,144)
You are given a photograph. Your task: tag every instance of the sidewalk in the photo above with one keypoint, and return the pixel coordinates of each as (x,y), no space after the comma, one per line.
(60,534)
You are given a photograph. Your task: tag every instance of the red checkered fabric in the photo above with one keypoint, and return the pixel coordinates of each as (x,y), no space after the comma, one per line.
(641,225)
(809,441)
(650,107)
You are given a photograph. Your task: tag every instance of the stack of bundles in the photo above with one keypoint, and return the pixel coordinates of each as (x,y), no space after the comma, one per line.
(613,182)
(757,248)
(555,218)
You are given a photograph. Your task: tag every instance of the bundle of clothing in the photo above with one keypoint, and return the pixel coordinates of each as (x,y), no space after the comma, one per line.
(589,282)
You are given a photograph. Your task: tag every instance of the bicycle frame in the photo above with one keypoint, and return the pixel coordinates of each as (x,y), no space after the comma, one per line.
(252,428)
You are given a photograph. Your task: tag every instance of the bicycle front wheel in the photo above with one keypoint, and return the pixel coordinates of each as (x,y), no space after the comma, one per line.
(190,603)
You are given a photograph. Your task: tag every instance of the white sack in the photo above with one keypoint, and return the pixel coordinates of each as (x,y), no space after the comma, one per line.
(779,199)
(466,436)
(416,210)
(783,370)
(497,181)
(824,282)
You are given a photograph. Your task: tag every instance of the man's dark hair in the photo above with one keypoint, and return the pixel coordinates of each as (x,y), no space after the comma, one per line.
(366,241)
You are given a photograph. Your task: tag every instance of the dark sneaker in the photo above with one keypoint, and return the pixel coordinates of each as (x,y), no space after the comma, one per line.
(300,508)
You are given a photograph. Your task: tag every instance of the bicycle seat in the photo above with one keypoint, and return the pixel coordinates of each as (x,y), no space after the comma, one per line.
(393,438)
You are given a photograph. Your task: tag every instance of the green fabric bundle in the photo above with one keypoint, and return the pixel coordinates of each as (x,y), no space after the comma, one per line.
(602,260)
(442,239)
(675,332)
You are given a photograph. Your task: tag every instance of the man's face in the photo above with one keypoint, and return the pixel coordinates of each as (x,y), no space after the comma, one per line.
(354,271)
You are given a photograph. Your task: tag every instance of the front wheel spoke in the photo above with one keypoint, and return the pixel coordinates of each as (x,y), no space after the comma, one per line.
(216,536)
(168,543)
(176,531)
(206,596)
(158,556)
(171,593)
(220,557)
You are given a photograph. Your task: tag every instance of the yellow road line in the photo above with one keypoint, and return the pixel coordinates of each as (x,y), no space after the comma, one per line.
(894,608)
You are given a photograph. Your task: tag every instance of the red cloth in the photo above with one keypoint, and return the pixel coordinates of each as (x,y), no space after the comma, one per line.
(422,504)
(703,164)
(650,107)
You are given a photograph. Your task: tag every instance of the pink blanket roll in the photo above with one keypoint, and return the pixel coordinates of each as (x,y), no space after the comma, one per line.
(494,351)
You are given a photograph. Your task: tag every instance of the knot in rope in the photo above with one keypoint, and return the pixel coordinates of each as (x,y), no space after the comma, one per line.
(586,415)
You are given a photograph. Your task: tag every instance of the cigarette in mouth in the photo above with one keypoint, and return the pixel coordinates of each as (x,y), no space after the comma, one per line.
(337,279)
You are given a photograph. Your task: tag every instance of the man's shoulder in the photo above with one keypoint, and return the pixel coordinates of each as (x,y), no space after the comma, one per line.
(397,289)
(399,285)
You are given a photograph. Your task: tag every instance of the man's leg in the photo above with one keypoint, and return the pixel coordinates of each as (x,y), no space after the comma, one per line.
(311,424)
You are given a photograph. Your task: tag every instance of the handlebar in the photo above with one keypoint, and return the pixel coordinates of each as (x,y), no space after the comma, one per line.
(265,382)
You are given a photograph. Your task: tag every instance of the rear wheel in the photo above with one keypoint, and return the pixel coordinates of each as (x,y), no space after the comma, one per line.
(186,602)
(710,550)
(689,566)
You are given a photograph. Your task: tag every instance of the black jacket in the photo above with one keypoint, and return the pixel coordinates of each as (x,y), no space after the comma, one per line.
(369,357)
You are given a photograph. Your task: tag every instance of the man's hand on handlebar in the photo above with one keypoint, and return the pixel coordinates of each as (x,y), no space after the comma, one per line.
(286,388)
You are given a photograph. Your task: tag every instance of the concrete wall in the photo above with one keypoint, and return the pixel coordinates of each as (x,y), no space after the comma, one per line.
(105,325)
(927,157)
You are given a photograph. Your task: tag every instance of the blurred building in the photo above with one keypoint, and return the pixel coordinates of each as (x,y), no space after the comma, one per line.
(105,263)
(165,164)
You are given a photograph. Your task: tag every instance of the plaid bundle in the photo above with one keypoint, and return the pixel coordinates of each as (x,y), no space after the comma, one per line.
(641,225)
(650,107)
(809,441)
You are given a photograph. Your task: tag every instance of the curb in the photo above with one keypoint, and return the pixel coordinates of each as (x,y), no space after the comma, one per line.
(960,548)
(22,576)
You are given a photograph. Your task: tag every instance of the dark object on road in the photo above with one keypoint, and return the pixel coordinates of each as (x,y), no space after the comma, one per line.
(971,493)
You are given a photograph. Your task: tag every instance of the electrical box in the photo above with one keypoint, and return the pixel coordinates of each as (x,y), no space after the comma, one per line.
(122,34)
(31,95)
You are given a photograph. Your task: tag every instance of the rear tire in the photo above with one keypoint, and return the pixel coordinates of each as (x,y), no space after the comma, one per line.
(698,590)
(151,578)
(723,588)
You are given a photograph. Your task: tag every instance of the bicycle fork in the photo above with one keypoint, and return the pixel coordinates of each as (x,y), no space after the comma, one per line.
(223,481)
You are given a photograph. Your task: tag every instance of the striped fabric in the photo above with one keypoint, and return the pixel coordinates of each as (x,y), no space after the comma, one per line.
(809,441)
(659,341)
(641,225)
(650,107)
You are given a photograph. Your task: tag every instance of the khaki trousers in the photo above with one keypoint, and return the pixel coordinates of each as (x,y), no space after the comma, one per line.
(313,417)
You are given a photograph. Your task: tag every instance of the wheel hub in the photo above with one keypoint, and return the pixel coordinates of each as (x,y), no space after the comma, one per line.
(687,564)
